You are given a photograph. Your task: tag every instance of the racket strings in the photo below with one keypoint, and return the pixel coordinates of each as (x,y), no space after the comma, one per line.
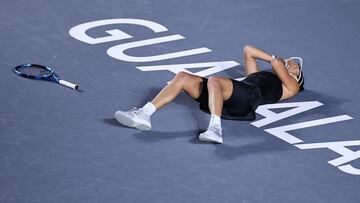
(34,71)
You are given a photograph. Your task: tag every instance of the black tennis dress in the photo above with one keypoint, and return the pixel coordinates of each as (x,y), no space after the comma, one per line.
(256,89)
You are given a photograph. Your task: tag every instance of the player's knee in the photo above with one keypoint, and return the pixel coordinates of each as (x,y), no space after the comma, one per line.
(214,82)
(181,78)
(181,75)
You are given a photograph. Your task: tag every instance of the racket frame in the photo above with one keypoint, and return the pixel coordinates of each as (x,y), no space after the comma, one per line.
(51,76)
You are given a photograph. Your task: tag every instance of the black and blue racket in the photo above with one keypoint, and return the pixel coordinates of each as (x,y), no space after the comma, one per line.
(39,72)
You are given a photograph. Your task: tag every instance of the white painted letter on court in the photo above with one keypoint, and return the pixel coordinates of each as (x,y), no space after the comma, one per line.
(79,32)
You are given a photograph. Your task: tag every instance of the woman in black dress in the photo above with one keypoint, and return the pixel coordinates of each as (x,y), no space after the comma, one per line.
(227,98)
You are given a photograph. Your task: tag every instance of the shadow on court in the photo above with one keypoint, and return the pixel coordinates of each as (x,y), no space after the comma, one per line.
(264,144)
(231,152)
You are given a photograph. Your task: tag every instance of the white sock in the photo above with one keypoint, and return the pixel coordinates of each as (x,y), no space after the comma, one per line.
(148,109)
(215,120)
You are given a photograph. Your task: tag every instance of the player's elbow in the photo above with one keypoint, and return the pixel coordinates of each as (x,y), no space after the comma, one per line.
(248,50)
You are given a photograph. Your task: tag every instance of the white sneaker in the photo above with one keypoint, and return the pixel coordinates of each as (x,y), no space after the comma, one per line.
(212,134)
(134,118)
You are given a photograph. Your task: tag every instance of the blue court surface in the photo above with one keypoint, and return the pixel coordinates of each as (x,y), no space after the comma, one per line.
(61,145)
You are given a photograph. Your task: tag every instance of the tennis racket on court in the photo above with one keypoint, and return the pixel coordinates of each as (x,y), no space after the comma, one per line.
(39,72)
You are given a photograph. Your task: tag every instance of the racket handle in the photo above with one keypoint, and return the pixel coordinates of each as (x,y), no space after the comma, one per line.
(69,84)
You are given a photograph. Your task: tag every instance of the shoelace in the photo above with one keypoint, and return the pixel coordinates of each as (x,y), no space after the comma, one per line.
(215,129)
(135,110)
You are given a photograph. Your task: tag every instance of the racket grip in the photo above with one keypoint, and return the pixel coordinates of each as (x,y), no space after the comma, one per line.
(69,84)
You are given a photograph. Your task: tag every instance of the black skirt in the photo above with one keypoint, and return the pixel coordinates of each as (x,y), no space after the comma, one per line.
(241,105)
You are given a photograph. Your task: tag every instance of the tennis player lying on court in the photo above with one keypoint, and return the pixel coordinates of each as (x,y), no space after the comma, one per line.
(224,97)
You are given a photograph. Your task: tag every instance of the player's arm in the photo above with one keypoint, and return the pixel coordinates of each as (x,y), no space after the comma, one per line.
(250,55)
(289,82)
